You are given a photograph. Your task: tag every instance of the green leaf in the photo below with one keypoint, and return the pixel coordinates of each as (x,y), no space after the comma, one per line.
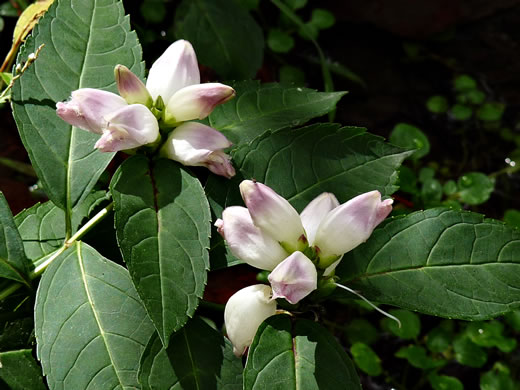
(512,217)
(91,327)
(418,358)
(42,227)
(162,225)
(410,137)
(475,96)
(431,191)
(437,104)
(513,319)
(444,382)
(497,379)
(297,355)
(360,330)
(410,324)
(407,180)
(450,187)
(490,112)
(198,357)
(464,82)
(468,353)
(438,339)
(225,37)
(19,370)
(279,41)
(461,112)
(292,75)
(296,4)
(322,18)
(13,262)
(475,188)
(259,108)
(490,334)
(440,262)
(366,359)
(83,43)
(426,173)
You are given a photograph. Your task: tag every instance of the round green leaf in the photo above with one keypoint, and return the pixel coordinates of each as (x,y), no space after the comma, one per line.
(410,137)
(438,340)
(490,112)
(475,96)
(437,104)
(468,353)
(418,358)
(464,82)
(450,187)
(360,330)
(322,18)
(486,334)
(366,359)
(410,324)
(512,217)
(513,319)
(308,31)
(296,4)
(426,174)
(452,204)
(444,382)
(292,75)
(407,180)
(431,191)
(461,112)
(475,188)
(279,41)
(497,380)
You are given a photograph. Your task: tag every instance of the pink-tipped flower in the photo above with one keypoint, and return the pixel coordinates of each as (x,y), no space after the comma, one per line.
(196,101)
(128,128)
(294,278)
(274,215)
(244,312)
(88,107)
(130,87)
(248,242)
(195,144)
(349,225)
(121,126)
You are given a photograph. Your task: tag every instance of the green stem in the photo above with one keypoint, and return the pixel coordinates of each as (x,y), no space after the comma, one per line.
(509,170)
(41,264)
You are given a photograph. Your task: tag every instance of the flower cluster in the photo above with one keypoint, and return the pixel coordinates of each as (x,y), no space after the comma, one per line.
(298,249)
(171,97)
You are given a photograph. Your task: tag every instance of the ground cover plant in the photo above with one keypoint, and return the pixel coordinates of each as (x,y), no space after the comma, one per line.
(161,175)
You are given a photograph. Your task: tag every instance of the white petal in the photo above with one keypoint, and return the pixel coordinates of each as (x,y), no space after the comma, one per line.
(315,211)
(127,128)
(350,224)
(196,101)
(244,312)
(294,278)
(274,215)
(87,108)
(247,242)
(176,68)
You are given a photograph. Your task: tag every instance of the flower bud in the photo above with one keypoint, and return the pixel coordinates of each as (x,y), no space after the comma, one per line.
(127,128)
(196,101)
(246,241)
(195,144)
(315,211)
(274,215)
(294,278)
(130,87)
(349,225)
(88,107)
(175,69)
(244,312)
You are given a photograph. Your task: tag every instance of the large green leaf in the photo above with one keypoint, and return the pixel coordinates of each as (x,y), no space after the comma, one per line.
(13,262)
(83,40)
(297,355)
(91,327)
(259,108)
(162,225)
(226,38)
(442,262)
(198,357)
(19,370)
(42,227)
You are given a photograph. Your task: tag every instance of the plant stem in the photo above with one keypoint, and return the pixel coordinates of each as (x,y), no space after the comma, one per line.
(9,290)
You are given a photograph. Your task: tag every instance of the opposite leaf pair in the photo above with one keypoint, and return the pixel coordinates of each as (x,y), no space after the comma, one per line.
(298,249)
(172,95)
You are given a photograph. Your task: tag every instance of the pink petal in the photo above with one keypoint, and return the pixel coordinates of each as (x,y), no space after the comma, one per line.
(130,87)
(315,211)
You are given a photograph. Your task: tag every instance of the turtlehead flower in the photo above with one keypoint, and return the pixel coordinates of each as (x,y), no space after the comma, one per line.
(195,144)
(244,312)
(121,126)
(175,78)
(294,278)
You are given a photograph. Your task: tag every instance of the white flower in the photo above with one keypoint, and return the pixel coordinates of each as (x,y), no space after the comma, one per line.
(244,312)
